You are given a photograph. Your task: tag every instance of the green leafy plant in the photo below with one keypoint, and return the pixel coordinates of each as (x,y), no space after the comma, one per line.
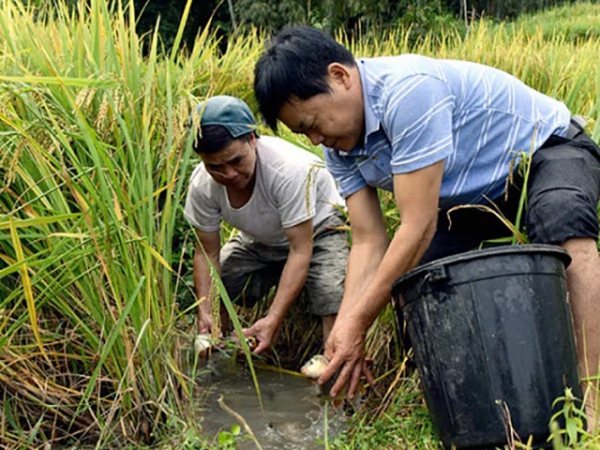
(574,417)
(228,440)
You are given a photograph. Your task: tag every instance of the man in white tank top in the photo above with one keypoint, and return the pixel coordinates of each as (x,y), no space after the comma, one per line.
(285,206)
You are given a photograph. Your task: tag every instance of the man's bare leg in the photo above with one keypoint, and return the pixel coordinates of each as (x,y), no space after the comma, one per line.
(328,322)
(583,282)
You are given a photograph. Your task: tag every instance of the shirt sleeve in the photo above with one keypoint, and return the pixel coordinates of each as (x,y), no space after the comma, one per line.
(345,171)
(418,122)
(296,195)
(200,210)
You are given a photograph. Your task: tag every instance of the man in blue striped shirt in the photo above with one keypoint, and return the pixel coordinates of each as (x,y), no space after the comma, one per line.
(436,133)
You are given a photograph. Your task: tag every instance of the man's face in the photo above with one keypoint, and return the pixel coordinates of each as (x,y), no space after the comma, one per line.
(234,165)
(334,119)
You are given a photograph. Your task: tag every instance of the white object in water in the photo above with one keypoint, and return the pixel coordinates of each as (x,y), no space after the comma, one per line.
(202,343)
(315,366)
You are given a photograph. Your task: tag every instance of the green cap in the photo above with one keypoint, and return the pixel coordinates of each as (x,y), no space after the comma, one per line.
(229,112)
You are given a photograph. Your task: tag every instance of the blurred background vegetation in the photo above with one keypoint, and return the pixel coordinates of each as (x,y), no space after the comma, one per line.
(228,16)
(331,15)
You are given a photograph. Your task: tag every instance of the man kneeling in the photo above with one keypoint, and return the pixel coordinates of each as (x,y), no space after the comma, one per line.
(287,209)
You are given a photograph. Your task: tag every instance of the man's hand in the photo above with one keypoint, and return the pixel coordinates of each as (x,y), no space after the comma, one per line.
(264,330)
(207,252)
(345,350)
(205,322)
(204,319)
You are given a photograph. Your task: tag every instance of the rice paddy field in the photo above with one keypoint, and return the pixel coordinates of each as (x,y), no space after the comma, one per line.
(95,256)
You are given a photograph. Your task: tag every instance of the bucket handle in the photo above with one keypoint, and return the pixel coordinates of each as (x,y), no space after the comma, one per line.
(436,274)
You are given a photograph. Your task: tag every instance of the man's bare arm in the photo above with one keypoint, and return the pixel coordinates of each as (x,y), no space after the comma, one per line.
(208,246)
(417,198)
(292,280)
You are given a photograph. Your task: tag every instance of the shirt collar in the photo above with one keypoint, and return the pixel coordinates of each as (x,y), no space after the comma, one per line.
(372,120)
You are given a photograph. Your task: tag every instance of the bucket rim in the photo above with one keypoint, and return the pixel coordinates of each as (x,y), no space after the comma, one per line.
(554,250)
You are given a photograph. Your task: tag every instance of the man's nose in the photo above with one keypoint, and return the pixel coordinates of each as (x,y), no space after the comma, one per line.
(229,172)
(315,138)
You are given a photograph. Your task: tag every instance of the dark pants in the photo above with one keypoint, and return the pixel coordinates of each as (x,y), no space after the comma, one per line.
(562,198)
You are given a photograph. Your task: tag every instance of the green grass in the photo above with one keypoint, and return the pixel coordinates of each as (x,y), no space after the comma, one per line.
(95,294)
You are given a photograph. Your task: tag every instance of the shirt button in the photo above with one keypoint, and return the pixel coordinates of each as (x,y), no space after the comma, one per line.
(374,157)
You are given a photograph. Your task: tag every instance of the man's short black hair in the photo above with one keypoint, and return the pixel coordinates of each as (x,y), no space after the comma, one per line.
(295,64)
(214,138)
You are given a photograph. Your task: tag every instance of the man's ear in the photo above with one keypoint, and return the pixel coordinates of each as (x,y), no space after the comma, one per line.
(339,73)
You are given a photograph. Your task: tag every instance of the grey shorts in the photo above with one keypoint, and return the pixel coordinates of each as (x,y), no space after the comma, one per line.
(563,194)
(250,269)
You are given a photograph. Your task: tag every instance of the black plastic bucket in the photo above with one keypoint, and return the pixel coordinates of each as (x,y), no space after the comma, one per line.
(492,333)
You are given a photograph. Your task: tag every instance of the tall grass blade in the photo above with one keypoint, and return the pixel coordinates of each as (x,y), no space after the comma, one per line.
(27,290)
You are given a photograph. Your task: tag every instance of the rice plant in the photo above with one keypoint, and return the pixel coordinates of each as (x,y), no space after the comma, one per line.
(95,153)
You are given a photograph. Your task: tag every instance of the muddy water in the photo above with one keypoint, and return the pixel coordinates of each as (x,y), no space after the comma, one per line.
(293,416)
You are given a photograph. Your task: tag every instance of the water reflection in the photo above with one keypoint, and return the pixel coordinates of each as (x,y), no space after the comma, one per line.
(294,414)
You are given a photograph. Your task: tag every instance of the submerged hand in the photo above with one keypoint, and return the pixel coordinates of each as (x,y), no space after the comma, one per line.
(345,350)
(264,330)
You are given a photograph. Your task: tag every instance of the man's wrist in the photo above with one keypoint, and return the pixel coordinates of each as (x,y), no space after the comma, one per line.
(360,321)
(204,306)
(275,317)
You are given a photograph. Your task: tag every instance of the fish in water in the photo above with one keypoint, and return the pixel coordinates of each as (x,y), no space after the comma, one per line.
(313,369)
(252,342)
(315,366)
(202,344)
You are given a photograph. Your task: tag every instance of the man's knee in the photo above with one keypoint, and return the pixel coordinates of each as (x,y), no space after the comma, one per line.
(582,250)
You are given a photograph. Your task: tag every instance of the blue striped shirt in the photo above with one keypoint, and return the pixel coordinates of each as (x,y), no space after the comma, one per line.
(419,111)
